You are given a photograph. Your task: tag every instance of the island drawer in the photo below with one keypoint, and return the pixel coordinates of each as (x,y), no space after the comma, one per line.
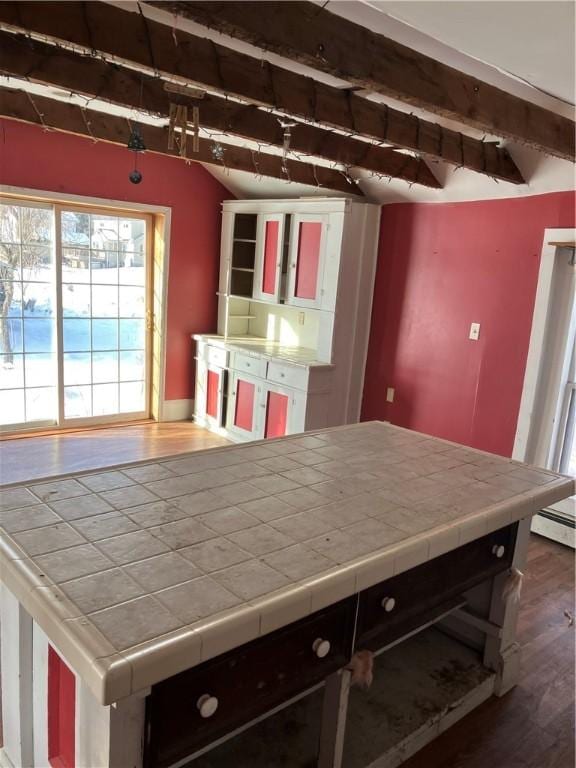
(249,364)
(244,683)
(391,609)
(290,375)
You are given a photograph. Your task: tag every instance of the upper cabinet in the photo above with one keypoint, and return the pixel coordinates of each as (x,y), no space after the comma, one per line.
(282,258)
(314,260)
(308,243)
(269,257)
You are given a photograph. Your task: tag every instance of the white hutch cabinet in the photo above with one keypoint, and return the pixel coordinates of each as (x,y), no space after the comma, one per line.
(295,299)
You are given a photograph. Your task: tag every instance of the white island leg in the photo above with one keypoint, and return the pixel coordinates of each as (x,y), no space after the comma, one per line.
(502,652)
(50,716)
(16,665)
(333,726)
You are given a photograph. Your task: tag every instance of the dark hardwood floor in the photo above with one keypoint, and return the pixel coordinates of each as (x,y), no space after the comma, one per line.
(533,725)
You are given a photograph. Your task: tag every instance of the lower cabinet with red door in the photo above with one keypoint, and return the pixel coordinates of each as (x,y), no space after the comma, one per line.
(261,409)
(211,386)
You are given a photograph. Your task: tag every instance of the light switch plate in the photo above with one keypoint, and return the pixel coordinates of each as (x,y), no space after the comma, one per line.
(390,395)
(474,331)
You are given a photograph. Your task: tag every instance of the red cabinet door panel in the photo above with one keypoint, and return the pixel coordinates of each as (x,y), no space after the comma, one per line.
(244,410)
(212,390)
(61,712)
(276,415)
(270,257)
(308,260)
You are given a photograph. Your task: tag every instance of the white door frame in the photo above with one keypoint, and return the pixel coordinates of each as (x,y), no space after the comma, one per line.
(535,413)
(61,198)
(551,347)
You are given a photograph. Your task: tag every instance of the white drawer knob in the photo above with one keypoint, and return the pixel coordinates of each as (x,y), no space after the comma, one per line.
(388,603)
(498,550)
(321,647)
(207,705)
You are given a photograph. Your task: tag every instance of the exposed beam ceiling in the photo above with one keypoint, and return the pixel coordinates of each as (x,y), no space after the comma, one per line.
(57,115)
(132,38)
(51,65)
(308,34)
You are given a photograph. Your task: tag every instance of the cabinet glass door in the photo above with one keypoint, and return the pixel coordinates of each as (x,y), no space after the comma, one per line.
(211,379)
(284,410)
(212,393)
(242,415)
(268,265)
(276,423)
(307,247)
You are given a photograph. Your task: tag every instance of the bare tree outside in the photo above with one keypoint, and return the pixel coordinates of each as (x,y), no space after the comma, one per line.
(25,250)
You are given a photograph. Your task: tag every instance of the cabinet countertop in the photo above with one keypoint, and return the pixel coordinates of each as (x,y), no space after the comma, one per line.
(138,572)
(265,348)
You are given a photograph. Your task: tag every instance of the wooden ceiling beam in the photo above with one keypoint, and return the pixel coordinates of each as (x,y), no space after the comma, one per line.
(308,34)
(52,114)
(129,37)
(52,65)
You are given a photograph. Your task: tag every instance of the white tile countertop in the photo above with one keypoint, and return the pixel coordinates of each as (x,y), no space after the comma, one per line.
(266,348)
(139,572)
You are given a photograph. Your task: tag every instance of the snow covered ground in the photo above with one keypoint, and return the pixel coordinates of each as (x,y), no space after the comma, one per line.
(103,344)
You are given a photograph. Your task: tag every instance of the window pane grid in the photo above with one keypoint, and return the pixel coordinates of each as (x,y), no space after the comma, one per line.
(104,259)
(27,314)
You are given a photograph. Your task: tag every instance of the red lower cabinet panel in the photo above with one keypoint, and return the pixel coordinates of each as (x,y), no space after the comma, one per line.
(212,387)
(61,712)
(244,411)
(308,261)
(276,415)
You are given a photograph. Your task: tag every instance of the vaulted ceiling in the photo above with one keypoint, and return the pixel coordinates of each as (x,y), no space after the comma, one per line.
(298,98)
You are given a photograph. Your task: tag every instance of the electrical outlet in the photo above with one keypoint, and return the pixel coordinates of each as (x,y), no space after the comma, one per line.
(390,395)
(301,318)
(474,331)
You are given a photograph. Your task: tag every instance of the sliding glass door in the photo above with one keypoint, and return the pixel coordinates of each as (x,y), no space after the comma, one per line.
(74,316)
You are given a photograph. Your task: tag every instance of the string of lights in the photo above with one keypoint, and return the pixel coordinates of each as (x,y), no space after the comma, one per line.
(217,149)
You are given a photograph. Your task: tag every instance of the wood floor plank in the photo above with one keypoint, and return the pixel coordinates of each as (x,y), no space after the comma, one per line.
(30,458)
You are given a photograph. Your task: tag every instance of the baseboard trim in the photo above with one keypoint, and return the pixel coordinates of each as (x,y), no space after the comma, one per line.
(177,410)
(553,529)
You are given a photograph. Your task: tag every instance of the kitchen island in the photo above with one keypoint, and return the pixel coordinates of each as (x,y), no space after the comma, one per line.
(151,611)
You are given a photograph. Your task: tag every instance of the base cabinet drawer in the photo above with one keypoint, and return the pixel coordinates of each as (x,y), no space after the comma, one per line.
(391,609)
(256,366)
(196,707)
(212,354)
(288,375)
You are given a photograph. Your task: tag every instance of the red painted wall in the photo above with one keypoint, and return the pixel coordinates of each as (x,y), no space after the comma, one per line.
(440,268)
(35,159)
